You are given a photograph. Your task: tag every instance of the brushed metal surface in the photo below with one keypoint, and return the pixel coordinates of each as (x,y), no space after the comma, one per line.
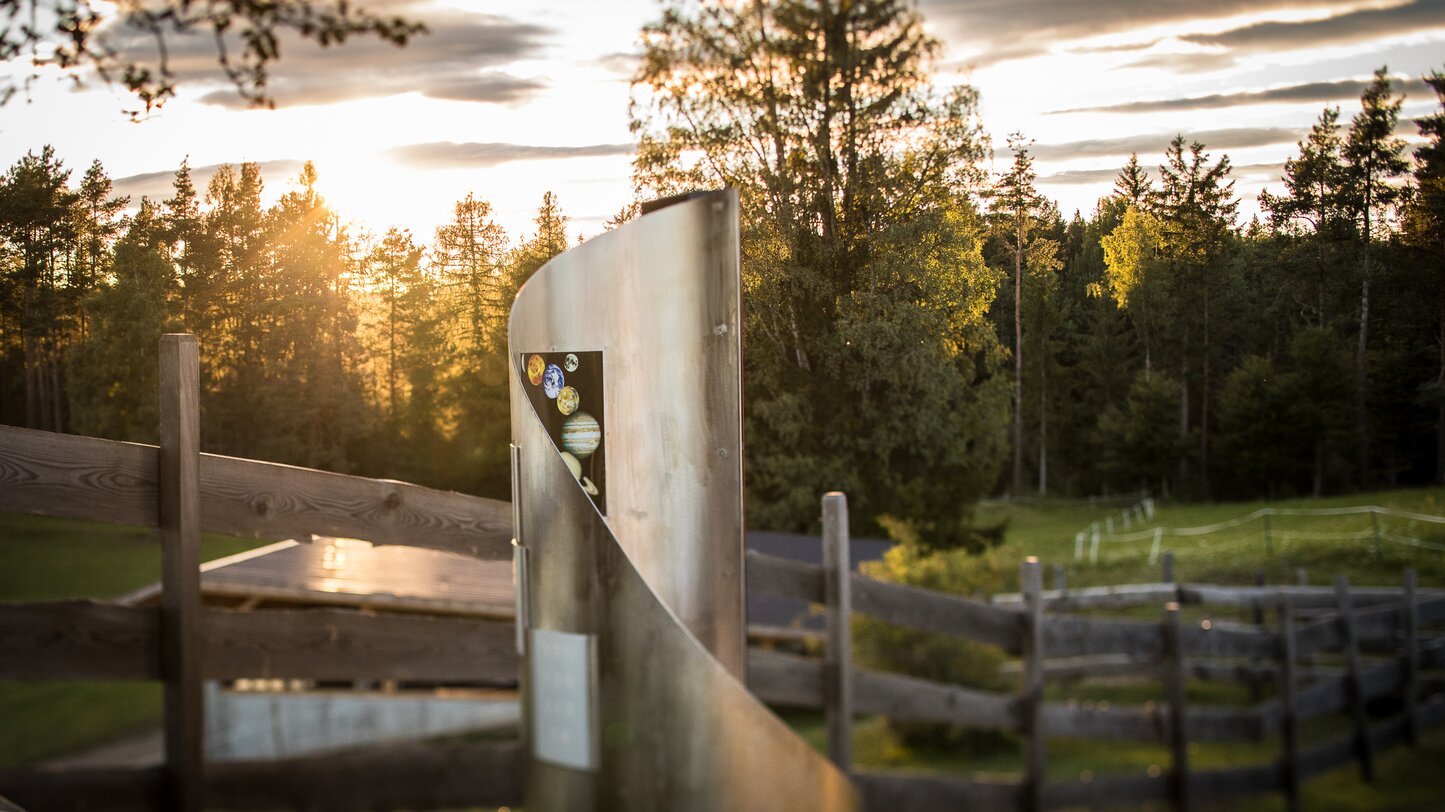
(657,582)
(660,297)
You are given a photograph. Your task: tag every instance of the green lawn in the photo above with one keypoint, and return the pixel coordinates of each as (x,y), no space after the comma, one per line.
(44,559)
(1232,556)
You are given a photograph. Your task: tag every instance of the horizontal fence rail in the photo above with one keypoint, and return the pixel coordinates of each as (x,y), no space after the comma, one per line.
(88,640)
(107,481)
(482,774)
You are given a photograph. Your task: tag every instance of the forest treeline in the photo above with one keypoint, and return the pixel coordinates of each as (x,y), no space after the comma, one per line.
(322,346)
(919,331)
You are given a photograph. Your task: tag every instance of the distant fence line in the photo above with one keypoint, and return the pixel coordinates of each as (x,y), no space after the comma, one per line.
(1342,621)
(1104,532)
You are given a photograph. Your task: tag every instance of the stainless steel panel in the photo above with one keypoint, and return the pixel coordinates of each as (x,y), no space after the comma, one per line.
(657,581)
(660,298)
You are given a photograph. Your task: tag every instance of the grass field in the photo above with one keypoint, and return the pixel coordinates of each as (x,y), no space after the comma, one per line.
(1234,556)
(58,559)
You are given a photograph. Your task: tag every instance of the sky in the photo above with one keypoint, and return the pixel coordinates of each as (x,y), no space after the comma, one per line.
(510,100)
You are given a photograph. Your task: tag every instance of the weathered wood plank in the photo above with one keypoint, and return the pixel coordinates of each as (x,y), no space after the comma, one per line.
(1102,720)
(88,790)
(102,480)
(838,656)
(1031,723)
(183,776)
(396,777)
(1220,640)
(1179,715)
(84,640)
(785,679)
(783,576)
(410,776)
(79,640)
(51,474)
(885,792)
(917,700)
(795,681)
(331,644)
(936,612)
(1355,680)
(1289,717)
(268,500)
(1121,596)
(1066,636)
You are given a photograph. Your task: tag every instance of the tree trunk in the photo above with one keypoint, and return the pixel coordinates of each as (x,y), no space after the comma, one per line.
(1043,431)
(1362,437)
(1319,483)
(1440,393)
(1204,406)
(1017,488)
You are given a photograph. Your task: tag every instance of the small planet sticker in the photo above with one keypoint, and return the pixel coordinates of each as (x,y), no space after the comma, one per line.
(552,380)
(581,435)
(570,362)
(535,368)
(568,400)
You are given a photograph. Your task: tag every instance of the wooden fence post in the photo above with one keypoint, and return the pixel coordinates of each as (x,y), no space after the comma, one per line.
(1255,689)
(1412,659)
(838,662)
(180,530)
(1289,723)
(1168,575)
(1031,583)
(1268,542)
(1059,579)
(1176,673)
(1355,685)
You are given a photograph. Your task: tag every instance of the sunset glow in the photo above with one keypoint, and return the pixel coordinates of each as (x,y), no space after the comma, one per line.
(509,102)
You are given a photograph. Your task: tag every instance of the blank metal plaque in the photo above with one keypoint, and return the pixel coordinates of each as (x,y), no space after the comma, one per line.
(562,698)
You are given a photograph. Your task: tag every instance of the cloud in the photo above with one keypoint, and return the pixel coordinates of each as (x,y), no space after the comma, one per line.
(1353,26)
(995,28)
(1089,177)
(1289,94)
(159,185)
(1155,143)
(438,154)
(456,59)
(1190,62)
(621,63)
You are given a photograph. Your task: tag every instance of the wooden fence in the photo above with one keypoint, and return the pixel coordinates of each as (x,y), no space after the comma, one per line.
(182,492)
(1377,636)
(1340,622)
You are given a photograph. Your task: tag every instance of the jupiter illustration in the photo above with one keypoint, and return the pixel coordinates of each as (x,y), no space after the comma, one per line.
(581,435)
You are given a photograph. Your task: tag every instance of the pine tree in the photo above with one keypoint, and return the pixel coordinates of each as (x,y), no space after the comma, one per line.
(1424,226)
(1373,159)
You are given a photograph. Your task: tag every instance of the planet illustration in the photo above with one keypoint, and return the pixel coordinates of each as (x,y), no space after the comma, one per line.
(553,380)
(589,487)
(581,435)
(572,465)
(570,362)
(535,366)
(568,400)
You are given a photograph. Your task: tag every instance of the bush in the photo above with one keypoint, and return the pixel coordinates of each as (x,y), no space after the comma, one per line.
(935,657)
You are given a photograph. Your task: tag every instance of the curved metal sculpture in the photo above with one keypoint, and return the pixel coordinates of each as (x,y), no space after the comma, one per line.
(627,454)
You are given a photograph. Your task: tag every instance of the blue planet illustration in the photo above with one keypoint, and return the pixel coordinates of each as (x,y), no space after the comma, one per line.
(581,435)
(553,381)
